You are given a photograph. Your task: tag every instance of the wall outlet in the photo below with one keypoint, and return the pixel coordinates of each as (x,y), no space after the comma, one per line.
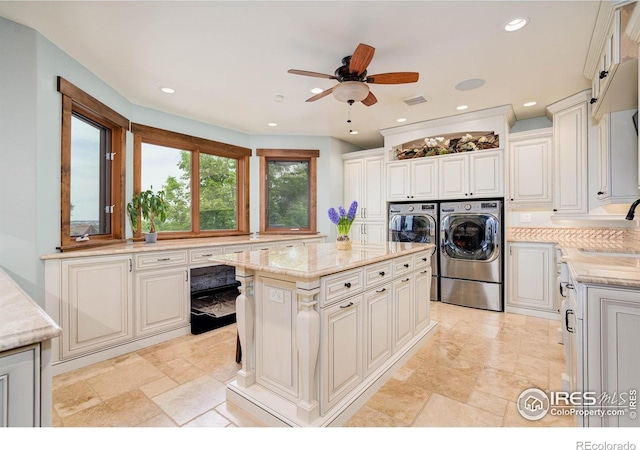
(525,217)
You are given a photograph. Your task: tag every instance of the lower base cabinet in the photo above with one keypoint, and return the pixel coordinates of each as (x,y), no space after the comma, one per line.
(20,387)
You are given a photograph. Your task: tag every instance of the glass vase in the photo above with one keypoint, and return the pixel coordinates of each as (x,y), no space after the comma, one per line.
(343,242)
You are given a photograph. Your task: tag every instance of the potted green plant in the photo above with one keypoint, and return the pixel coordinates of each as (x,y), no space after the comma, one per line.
(151,206)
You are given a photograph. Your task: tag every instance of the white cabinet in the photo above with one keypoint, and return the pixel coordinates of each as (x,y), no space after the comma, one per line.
(474,174)
(612,322)
(20,387)
(421,307)
(614,65)
(570,154)
(413,179)
(364,182)
(617,158)
(402,314)
(531,167)
(341,350)
(531,279)
(97,304)
(377,312)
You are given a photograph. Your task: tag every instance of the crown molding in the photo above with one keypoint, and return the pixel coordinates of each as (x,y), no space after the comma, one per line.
(568,102)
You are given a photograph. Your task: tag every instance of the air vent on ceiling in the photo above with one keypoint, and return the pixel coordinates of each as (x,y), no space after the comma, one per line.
(416,100)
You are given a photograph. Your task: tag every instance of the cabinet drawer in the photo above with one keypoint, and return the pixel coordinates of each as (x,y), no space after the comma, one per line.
(340,285)
(403,266)
(263,246)
(237,248)
(202,255)
(160,259)
(378,273)
(421,260)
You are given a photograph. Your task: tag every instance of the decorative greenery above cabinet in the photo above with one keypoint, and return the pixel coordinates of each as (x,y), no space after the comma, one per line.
(448,143)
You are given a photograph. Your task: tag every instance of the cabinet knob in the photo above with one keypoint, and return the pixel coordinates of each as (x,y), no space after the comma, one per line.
(347,285)
(593,100)
(555,210)
(381,274)
(406,265)
(600,192)
(603,74)
(511,199)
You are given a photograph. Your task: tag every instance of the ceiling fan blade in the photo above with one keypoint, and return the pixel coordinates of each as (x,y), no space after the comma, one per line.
(370,100)
(320,95)
(361,58)
(393,78)
(306,73)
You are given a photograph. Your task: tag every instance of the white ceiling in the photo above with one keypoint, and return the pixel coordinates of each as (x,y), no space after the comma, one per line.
(228,60)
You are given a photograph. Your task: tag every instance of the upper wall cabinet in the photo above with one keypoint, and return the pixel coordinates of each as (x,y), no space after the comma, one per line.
(531,168)
(570,154)
(612,62)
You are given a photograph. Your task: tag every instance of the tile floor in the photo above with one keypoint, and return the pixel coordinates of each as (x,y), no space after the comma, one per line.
(470,374)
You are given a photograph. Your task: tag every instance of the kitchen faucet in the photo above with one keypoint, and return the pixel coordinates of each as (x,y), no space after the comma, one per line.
(632,209)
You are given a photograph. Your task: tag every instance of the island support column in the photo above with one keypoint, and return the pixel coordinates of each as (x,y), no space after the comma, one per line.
(308,341)
(245,321)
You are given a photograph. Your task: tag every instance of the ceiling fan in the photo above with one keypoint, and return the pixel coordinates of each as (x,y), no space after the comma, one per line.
(353,79)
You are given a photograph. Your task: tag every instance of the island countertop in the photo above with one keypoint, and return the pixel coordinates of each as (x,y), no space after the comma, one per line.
(314,261)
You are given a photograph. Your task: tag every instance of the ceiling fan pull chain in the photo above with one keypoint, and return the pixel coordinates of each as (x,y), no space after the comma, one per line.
(350,102)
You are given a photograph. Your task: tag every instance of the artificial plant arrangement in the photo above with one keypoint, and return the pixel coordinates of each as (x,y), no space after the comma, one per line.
(151,206)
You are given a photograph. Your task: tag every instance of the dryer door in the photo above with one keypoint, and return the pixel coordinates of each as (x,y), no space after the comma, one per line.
(412,228)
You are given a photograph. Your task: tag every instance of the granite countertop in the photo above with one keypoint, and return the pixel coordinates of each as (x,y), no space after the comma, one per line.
(314,261)
(179,244)
(605,267)
(23,321)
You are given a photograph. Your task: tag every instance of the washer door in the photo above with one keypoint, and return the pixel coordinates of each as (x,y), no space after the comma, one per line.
(473,237)
(412,228)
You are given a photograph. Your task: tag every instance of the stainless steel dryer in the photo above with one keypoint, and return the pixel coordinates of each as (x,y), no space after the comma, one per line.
(417,222)
(471,261)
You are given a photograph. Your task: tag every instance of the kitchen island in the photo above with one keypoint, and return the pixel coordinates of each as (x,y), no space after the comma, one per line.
(322,329)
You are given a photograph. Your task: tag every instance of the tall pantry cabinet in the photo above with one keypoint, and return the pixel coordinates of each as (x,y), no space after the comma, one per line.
(364,182)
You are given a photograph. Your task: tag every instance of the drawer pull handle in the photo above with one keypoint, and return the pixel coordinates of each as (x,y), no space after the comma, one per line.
(381,290)
(238,251)
(208,254)
(406,265)
(347,285)
(405,280)
(381,273)
(347,305)
(424,259)
(566,321)
(164,259)
(570,286)
(424,271)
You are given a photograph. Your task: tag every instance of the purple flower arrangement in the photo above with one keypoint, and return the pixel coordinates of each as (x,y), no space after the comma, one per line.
(342,218)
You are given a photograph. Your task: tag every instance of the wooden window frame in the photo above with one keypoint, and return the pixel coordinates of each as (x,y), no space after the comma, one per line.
(309,156)
(156,136)
(76,100)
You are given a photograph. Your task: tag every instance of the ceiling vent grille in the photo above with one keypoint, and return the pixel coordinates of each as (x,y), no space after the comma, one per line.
(416,100)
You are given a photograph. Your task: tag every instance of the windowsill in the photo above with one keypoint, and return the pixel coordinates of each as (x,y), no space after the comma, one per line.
(90,244)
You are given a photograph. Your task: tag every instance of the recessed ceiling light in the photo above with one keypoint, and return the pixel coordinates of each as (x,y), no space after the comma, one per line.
(167,90)
(272,124)
(278,98)
(529,104)
(353,132)
(316,90)
(462,107)
(516,24)
(401,119)
(468,85)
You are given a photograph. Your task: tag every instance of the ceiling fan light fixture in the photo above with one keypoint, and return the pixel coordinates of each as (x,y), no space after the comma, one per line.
(316,90)
(350,90)
(516,24)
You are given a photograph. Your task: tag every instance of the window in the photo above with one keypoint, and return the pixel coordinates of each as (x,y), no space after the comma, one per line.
(288,190)
(205,182)
(92,170)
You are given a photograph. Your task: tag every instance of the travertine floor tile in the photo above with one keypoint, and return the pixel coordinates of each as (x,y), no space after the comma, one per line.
(401,401)
(124,378)
(441,411)
(490,403)
(505,385)
(237,416)
(71,398)
(158,386)
(367,417)
(187,401)
(209,419)
(443,380)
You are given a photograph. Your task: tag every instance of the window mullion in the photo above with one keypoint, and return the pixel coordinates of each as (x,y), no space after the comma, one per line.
(195,190)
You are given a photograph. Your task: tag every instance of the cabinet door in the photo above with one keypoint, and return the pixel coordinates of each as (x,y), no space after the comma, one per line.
(604,162)
(402,311)
(341,351)
(353,182)
(375,232)
(424,179)
(373,190)
(378,303)
(422,287)
(453,178)
(570,155)
(531,170)
(20,387)
(162,300)
(530,277)
(614,361)
(97,304)
(485,174)
(398,181)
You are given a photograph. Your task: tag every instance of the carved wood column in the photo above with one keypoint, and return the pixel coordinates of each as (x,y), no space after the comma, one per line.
(308,342)
(245,320)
